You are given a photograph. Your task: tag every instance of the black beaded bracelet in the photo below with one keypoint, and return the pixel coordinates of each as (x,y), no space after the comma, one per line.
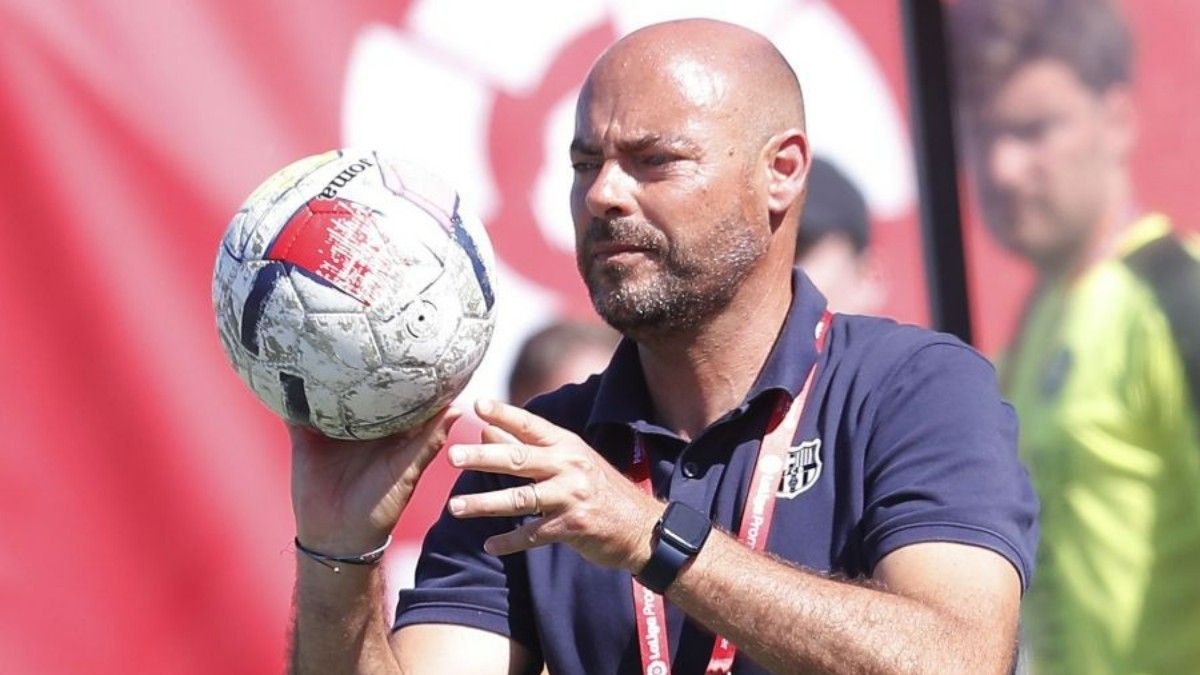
(334,562)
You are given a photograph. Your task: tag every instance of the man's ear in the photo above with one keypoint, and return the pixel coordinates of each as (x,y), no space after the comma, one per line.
(788,160)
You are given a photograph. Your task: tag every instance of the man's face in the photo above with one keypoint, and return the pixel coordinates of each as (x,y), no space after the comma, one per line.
(663,199)
(1044,152)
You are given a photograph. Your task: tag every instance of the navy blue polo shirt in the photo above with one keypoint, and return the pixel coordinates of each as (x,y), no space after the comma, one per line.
(906,440)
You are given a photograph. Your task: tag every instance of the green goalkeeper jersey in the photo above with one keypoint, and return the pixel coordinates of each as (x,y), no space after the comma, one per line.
(1109,436)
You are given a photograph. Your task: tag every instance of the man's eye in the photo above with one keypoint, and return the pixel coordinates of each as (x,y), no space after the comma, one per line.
(1032,131)
(582,166)
(657,160)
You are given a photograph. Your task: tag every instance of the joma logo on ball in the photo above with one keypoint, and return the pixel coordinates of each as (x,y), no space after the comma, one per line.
(339,181)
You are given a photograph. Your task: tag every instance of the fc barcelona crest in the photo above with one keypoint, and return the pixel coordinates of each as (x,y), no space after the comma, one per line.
(802,470)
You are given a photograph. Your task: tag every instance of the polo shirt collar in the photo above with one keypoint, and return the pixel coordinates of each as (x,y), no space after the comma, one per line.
(622,397)
(795,350)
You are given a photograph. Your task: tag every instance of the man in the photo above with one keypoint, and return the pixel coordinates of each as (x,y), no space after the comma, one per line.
(833,244)
(1095,373)
(563,352)
(902,523)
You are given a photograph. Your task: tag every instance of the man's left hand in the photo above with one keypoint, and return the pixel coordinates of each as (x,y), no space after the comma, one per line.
(582,499)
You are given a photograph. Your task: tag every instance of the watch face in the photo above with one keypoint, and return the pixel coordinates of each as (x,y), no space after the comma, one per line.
(686,527)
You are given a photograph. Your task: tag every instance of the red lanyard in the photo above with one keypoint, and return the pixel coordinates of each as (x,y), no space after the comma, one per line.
(757,513)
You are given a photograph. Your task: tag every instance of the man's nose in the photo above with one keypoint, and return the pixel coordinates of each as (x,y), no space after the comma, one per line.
(1009,162)
(611,193)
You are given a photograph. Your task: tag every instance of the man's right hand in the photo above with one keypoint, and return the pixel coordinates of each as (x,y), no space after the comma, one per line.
(348,495)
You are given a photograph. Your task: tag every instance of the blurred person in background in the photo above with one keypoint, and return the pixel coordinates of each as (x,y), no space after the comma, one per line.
(833,245)
(1102,366)
(563,352)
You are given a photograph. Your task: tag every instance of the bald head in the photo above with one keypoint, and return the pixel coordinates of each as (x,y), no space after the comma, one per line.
(730,72)
(690,158)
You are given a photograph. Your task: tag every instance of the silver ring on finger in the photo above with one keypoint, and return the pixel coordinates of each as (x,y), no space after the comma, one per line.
(537,503)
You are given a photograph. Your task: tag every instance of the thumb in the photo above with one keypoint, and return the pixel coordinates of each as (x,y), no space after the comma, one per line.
(429,438)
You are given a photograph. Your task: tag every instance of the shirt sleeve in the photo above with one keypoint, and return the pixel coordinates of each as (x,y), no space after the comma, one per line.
(457,582)
(942,465)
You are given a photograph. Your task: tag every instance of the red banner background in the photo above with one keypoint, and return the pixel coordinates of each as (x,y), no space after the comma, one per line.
(143,491)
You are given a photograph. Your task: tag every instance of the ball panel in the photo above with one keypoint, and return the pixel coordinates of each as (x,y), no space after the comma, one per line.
(325,410)
(462,355)
(389,400)
(322,357)
(420,332)
(318,295)
(421,187)
(272,318)
(350,340)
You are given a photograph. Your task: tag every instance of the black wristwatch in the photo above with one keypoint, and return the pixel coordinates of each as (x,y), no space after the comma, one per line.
(678,537)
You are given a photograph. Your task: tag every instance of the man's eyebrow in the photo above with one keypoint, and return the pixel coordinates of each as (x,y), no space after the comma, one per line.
(639,144)
(648,141)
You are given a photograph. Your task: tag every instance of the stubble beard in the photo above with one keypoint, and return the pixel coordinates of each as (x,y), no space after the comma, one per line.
(674,291)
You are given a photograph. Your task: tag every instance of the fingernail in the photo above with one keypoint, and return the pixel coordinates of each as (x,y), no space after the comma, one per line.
(485,406)
(457,505)
(489,547)
(457,455)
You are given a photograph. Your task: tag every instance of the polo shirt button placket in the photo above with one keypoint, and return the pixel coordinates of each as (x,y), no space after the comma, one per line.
(690,470)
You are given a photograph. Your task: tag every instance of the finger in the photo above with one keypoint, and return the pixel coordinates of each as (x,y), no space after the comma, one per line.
(439,424)
(524,425)
(430,437)
(506,458)
(522,500)
(535,533)
(494,434)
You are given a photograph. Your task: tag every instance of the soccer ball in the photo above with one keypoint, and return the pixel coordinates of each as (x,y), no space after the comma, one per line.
(354,294)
